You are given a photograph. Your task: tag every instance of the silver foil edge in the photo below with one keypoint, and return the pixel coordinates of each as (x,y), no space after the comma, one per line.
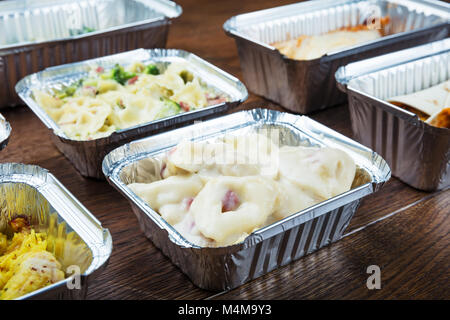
(307,86)
(45,195)
(418,153)
(18,61)
(87,156)
(326,221)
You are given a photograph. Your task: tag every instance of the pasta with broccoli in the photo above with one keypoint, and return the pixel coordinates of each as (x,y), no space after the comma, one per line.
(111,100)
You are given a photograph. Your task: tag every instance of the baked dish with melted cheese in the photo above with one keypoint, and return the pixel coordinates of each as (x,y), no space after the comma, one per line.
(432,105)
(309,47)
(120,98)
(217,193)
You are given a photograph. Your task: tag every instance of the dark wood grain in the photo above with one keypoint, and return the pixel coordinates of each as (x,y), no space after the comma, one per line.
(403,230)
(410,247)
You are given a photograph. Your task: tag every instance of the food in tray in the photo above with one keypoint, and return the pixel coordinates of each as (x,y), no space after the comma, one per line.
(312,47)
(217,193)
(431,105)
(111,100)
(26,264)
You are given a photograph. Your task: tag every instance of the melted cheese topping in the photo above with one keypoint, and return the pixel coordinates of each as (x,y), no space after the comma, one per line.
(217,193)
(431,105)
(316,46)
(104,103)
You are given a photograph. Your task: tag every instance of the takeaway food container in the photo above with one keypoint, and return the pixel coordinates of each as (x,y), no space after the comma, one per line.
(87,155)
(419,154)
(309,85)
(37,34)
(267,248)
(5,132)
(80,242)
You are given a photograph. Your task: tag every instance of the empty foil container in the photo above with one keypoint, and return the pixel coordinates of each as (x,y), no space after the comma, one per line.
(419,154)
(38,34)
(80,243)
(307,86)
(267,248)
(87,156)
(5,132)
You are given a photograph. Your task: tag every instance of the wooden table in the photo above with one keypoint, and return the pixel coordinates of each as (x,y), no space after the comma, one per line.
(402,230)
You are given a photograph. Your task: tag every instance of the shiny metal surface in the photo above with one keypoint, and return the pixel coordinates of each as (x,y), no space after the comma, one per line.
(307,86)
(34,192)
(5,132)
(267,248)
(37,34)
(419,154)
(87,156)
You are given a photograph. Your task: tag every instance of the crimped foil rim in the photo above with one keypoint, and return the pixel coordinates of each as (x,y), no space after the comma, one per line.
(357,69)
(25,84)
(317,5)
(44,182)
(176,8)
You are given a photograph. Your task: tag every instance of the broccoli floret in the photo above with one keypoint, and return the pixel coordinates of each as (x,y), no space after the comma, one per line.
(151,69)
(90,82)
(186,76)
(170,108)
(69,91)
(87,29)
(77,32)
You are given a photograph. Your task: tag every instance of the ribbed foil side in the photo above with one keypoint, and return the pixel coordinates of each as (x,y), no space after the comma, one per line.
(38,21)
(316,17)
(87,156)
(307,86)
(19,62)
(418,156)
(228,269)
(267,248)
(75,237)
(417,153)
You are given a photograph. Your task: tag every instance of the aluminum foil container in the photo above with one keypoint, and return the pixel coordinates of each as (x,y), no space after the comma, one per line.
(307,86)
(419,154)
(87,156)
(37,34)
(78,238)
(267,248)
(5,132)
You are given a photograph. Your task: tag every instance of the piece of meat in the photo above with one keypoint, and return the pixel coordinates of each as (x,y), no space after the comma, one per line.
(133,80)
(19,223)
(184,106)
(230,201)
(187,203)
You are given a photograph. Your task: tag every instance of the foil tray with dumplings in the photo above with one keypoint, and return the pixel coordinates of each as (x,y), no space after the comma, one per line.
(87,155)
(417,152)
(74,236)
(5,132)
(265,249)
(37,34)
(305,86)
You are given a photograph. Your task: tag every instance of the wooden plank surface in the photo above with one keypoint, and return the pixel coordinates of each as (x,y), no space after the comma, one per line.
(403,230)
